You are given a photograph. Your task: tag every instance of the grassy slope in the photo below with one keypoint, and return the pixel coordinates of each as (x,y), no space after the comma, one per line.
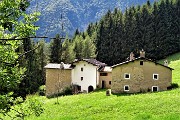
(154,106)
(174,62)
(161,105)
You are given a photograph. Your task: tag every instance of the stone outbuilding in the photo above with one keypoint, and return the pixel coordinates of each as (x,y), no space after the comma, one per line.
(58,77)
(140,75)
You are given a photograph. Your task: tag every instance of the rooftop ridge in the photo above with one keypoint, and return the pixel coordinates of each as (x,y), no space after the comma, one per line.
(138,59)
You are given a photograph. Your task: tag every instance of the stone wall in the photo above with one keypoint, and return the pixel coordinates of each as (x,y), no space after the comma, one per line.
(57,80)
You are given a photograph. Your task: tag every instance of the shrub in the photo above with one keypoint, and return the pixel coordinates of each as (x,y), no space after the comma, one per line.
(68,91)
(21,109)
(42,90)
(174,85)
(35,107)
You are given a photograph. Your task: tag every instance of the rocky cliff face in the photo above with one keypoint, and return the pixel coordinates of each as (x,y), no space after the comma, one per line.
(75,13)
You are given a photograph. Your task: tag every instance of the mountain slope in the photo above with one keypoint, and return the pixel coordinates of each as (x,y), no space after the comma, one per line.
(76,13)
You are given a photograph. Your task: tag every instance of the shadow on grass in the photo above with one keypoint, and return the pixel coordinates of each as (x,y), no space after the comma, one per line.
(172,87)
(126,94)
(143,93)
(100,90)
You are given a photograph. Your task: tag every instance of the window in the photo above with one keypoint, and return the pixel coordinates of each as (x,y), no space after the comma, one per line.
(103,74)
(126,76)
(81,69)
(126,88)
(81,78)
(155,88)
(155,76)
(109,82)
(141,62)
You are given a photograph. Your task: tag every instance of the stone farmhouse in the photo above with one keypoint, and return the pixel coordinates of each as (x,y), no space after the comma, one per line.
(140,75)
(84,75)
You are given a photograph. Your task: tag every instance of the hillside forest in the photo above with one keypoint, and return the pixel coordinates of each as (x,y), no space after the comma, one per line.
(152,27)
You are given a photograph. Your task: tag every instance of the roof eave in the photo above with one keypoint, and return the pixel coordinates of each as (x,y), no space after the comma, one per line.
(126,62)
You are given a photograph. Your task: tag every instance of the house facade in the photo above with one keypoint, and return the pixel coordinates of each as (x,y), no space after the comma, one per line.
(140,75)
(85,74)
(105,77)
(58,77)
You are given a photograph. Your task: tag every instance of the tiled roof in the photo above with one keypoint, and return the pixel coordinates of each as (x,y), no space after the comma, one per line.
(91,61)
(140,58)
(57,66)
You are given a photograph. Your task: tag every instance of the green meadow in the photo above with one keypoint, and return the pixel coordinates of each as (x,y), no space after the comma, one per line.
(97,106)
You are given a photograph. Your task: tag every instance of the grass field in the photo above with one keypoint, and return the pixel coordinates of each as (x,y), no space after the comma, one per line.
(174,61)
(97,106)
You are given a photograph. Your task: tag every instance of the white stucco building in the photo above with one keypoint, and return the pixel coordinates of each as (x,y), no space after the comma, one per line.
(85,74)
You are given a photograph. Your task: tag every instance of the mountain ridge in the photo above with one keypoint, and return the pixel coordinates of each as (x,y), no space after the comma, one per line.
(75,13)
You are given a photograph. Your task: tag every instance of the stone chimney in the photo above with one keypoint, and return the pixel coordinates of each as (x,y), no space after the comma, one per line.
(62,65)
(166,63)
(142,53)
(131,57)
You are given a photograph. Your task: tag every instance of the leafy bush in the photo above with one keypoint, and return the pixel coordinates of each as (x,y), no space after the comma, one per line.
(17,108)
(68,91)
(6,101)
(35,106)
(174,85)
(42,90)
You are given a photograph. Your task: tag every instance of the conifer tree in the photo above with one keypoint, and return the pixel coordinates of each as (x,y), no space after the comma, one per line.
(104,38)
(89,48)
(56,50)
(176,24)
(68,55)
(117,36)
(128,30)
(42,61)
(78,46)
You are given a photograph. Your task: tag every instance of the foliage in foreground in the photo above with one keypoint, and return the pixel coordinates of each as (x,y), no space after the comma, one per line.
(15,27)
(22,109)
